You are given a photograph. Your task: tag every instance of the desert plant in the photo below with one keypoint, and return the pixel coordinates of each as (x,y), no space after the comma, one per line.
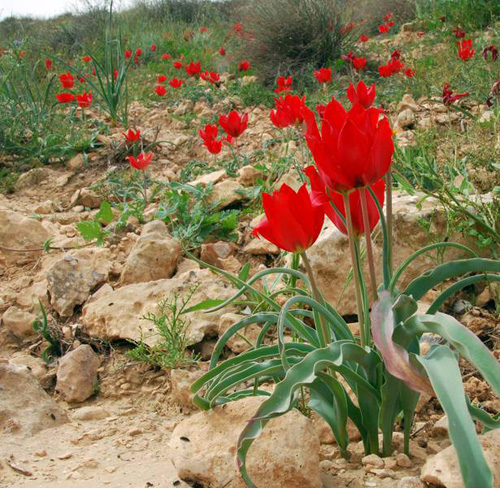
(172,330)
(193,217)
(382,366)
(293,35)
(51,335)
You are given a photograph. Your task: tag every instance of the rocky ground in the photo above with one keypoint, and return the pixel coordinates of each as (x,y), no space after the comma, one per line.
(95,418)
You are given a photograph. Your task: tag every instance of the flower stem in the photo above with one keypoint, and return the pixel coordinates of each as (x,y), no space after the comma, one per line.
(145,187)
(324,330)
(388,203)
(368,240)
(356,268)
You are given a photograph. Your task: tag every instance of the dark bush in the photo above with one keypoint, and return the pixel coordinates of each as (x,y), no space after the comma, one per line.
(291,36)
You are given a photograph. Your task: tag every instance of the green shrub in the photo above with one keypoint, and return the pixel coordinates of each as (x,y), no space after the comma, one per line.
(172,330)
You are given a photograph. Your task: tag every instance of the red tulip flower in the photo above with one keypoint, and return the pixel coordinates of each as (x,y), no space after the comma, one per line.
(388,17)
(383,29)
(320,196)
(354,149)
(449,98)
(209,136)
(284,84)
(490,49)
(84,99)
(289,111)
(234,124)
(465,50)
(361,94)
(177,64)
(48,64)
(244,66)
(65,97)
(67,80)
(193,69)
(410,73)
(175,83)
(203,29)
(138,52)
(324,75)
(359,63)
(160,90)
(364,38)
(211,77)
(222,51)
(165,56)
(127,54)
(142,161)
(459,33)
(162,78)
(132,136)
(292,222)
(87,59)
(153,47)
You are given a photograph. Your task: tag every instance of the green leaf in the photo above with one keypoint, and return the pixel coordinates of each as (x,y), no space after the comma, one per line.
(444,373)
(396,357)
(334,357)
(105,214)
(91,231)
(421,285)
(204,305)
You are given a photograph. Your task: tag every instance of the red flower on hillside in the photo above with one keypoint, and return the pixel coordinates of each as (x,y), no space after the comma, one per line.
(210,76)
(132,136)
(165,56)
(353,149)
(160,90)
(289,111)
(65,97)
(359,63)
(320,196)
(127,54)
(364,38)
(410,73)
(459,33)
(490,49)
(203,29)
(162,78)
(383,29)
(234,124)
(361,94)
(449,98)
(153,47)
(138,52)
(284,84)
(222,51)
(292,222)
(48,64)
(323,75)
(177,64)
(244,66)
(175,83)
(209,137)
(465,50)
(193,69)
(67,80)
(84,99)
(87,59)
(142,161)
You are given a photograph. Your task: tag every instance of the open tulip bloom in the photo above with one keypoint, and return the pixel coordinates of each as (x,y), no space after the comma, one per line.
(381,365)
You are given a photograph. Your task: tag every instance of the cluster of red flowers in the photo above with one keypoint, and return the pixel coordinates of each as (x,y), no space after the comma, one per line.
(289,111)
(395,66)
(68,82)
(233,124)
(384,28)
(352,152)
